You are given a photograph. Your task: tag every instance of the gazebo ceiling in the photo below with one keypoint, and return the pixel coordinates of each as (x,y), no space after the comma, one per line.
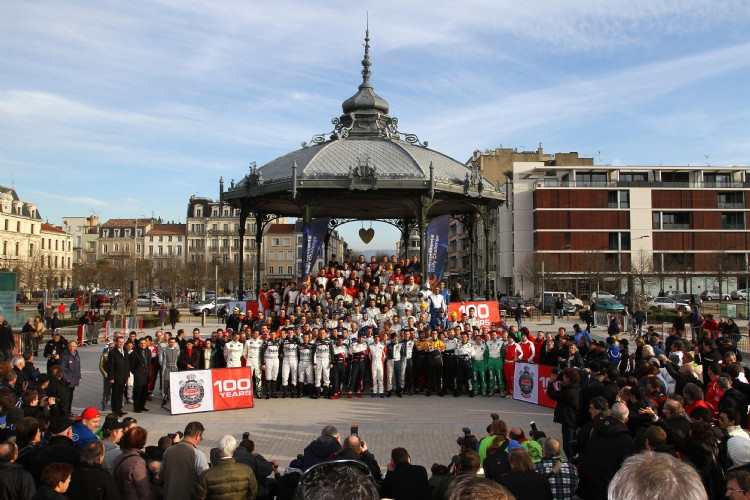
(366,168)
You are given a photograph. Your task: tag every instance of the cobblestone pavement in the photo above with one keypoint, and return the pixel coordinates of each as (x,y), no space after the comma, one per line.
(426,426)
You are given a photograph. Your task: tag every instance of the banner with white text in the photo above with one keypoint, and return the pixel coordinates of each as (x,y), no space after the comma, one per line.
(530,384)
(208,390)
(436,248)
(485,310)
(312,242)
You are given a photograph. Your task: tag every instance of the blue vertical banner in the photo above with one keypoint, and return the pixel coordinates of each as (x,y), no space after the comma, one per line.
(314,236)
(436,248)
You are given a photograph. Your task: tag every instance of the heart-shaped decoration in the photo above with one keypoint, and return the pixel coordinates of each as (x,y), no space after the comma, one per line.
(366,235)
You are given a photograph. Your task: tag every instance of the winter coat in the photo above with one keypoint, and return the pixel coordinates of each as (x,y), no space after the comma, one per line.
(609,446)
(132,476)
(228,480)
(71,365)
(568,403)
(15,482)
(91,482)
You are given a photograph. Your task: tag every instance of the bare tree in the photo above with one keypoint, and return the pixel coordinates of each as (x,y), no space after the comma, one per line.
(530,269)
(595,269)
(642,270)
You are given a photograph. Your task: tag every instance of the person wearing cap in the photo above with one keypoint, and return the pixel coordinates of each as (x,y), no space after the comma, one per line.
(112,431)
(86,424)
(54,348)
(233,320)
(60,447)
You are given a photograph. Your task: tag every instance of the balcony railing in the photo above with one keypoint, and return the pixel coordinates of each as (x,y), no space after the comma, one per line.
(553,182)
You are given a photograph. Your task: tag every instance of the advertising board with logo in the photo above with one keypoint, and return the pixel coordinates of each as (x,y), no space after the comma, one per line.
(209,390)
(485,310)
(530,384)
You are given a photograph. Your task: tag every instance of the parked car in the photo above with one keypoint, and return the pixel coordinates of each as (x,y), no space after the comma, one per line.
(608,304)
(549,306)
(209,306)
(667,303)
(693,299)
(603,295)
(578,303)
(509,304)
(739,294)
(144,300)
(714,295)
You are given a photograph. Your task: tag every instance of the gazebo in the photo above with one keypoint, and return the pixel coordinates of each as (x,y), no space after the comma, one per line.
(365,169)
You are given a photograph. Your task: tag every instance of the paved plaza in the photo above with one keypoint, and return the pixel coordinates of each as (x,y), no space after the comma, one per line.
(426,426)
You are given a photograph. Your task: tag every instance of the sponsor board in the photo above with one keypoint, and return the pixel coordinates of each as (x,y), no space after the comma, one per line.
(486,311)
(530,384)
(209,390)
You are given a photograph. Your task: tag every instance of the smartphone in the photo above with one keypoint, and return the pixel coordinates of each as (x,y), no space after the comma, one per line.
(355,430)
(533,425)
(51,400)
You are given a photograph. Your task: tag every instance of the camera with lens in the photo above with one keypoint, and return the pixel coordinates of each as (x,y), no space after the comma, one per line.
(175,434)
(245,436)
(467,433)
(556,371)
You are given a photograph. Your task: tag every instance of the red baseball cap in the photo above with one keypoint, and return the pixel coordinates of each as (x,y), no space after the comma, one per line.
(89,412)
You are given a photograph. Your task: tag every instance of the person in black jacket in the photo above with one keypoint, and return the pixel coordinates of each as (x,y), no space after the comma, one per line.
(609,446)
(355,448)
(246,454)
(16,483)
(54,348)
(89,480)
(60,448)
(568,404)
(140,362)
(405,481)
(59,407)
(118,371)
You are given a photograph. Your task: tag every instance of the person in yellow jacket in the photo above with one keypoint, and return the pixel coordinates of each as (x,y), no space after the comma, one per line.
(434,377)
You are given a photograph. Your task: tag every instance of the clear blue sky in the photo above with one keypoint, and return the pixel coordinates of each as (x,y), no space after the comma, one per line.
(128,108)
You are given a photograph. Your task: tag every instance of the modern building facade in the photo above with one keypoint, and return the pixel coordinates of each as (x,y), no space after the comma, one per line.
(594,226)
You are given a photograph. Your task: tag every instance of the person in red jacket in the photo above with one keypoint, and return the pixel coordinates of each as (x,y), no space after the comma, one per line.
(527,346)
(512,354)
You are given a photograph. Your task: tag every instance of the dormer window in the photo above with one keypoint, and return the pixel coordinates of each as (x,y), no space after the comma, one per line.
(198,211)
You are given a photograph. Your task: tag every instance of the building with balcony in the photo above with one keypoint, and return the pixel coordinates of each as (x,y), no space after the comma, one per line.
(84,232)
(56,257)
(213,243)
(20,232)
(122,239)
(620,228)
(283,256)
(164,244)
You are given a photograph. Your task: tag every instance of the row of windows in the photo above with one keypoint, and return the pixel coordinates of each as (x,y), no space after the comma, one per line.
(126,233)
(227,212)
(160,250)
(681,220)
(715,179)
(18,226)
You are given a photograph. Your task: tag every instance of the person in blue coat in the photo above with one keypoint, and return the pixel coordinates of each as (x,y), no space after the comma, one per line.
(70,361)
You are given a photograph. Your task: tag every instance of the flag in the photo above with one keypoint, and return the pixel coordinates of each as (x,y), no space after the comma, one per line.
(314,235)
(436,248)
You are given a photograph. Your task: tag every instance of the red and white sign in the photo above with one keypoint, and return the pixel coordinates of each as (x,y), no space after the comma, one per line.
(530,384)
(485,310)
(208,390)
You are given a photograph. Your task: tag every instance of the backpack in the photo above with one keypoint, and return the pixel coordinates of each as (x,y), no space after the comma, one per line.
(497,465)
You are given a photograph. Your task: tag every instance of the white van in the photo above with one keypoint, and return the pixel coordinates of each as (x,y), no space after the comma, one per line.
(578,303)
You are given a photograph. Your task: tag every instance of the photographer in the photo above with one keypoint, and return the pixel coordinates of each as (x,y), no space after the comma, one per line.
(355,448)
(568,404)
(246,454)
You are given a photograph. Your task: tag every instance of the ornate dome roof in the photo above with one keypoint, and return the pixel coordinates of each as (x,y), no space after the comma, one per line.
(364,152)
